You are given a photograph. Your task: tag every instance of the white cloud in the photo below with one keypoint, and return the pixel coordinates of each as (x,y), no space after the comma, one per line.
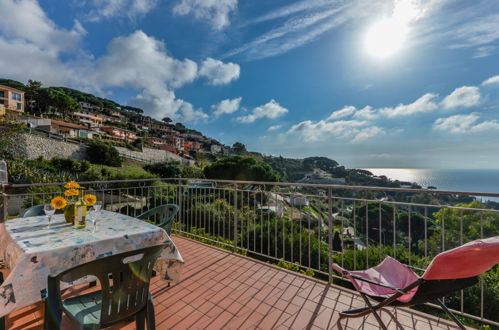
(120,8)
(344,112)
(136,62)
(219,73)
(141,61)
(367,133)
(25,20)
(484,51)
(270,110)
(466,96)
(460,124)
(216,12)
(32,49)
(424,104)
(491,81)
(311,131)
(274,128)
(310,19)
(163,102)
(304,5)
(365,113)
(191,115)
(44,65)
(294,33)
(227,106)
(477,32)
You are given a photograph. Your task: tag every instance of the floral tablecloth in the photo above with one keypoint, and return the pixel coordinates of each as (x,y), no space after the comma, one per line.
(32,251)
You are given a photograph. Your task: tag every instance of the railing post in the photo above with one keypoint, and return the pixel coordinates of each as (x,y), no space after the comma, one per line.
(235,217)
(330,235)
(5,207)
(180,218)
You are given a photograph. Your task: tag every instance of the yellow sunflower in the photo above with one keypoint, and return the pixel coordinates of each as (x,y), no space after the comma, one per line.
(59,202)
(71,192)
(89,199)
(72,185)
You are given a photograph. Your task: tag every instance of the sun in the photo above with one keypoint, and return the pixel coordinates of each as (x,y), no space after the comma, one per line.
(386,37)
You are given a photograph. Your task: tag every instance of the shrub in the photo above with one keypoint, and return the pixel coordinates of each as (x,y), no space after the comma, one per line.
(21,172)
(125,172)
(85,165)
(165,170)
(192,172)
(66,164)
(103,153)
(242,168)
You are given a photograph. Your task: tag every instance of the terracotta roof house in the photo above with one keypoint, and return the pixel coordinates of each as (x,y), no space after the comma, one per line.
(11,98)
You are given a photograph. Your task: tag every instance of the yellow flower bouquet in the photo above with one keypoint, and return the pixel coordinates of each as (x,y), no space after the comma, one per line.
(74,204)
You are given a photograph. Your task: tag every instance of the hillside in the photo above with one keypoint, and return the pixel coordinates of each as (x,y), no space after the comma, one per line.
(308,170)
(65,100)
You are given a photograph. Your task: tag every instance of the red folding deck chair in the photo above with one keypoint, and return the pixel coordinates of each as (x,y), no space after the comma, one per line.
(392,283)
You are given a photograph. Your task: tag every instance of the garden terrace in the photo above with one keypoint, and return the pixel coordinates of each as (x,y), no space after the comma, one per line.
(301,227)
(221,289)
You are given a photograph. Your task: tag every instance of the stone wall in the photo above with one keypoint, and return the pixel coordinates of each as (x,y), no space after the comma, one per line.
(153,156)
(32,146)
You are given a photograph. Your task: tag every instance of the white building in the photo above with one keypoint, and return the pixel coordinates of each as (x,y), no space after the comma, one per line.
(215,148)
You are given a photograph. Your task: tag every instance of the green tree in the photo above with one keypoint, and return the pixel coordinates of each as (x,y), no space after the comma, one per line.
(33,95)
(239,149)
(337,242)
(387,216)
(99,152)
(165,170)
(323,163)
(180,127)
(242,168)
(454,226)
(13,83)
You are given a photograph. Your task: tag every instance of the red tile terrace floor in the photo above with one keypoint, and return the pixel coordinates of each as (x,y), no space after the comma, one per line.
(221,290)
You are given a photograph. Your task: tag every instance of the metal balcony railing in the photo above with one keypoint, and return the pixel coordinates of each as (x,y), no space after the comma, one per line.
(309,226)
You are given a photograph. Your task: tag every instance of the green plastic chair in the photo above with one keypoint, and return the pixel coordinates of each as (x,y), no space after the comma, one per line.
(124,294)
(34,211)
(161,216)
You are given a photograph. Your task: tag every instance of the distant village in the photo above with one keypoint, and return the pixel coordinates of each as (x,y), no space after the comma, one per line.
(125,126)
(120,125)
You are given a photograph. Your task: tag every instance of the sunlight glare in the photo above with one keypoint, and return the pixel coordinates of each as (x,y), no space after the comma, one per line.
(386,37)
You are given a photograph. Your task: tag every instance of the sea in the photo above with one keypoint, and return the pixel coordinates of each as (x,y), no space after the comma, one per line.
(466,180)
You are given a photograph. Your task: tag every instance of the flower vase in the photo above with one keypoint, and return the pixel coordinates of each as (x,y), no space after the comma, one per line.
(69,214)
(75,214)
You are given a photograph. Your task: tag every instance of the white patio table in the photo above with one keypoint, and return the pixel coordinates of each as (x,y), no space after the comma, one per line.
(33,251)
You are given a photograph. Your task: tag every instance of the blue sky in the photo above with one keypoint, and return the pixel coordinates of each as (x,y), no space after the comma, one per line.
(389,83)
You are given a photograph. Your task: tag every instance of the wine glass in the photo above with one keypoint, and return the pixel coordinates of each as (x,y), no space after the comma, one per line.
(97,207)
(49,211)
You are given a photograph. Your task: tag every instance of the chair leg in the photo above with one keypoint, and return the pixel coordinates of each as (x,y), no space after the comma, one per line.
(151,320)
(140,320)
(52,316)
(452,316)
(376,315)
